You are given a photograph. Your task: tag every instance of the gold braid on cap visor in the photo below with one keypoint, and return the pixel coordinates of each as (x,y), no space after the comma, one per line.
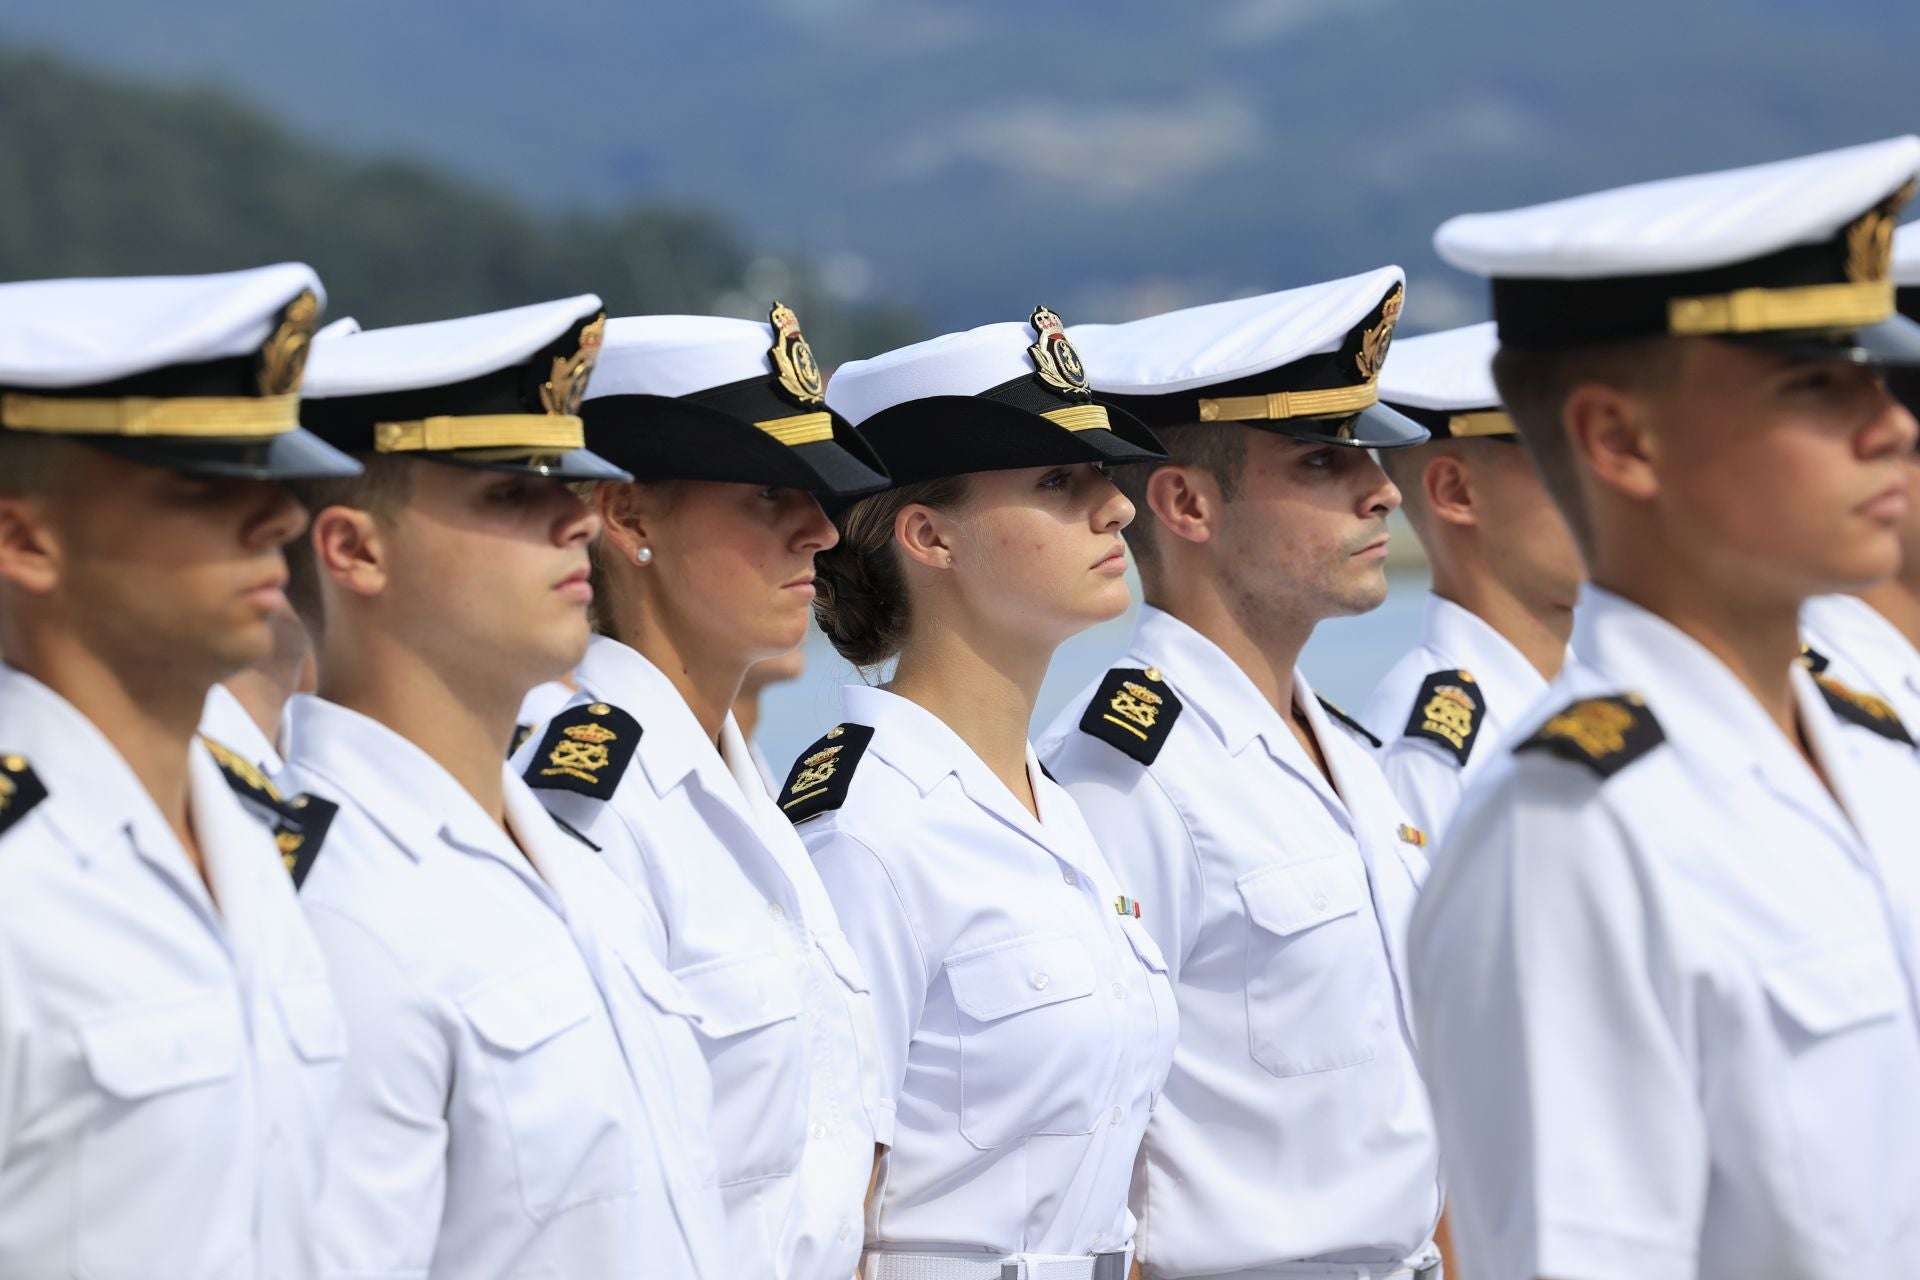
(1815,306)
(1328,403)
(546,432)
(1080,417)
(204,417)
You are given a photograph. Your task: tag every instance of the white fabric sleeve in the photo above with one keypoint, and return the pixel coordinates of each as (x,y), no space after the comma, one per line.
(1554,1041)
(384,1187)
(1426,782)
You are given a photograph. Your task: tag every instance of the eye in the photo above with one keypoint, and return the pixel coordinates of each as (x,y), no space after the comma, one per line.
(1104,470)
(508,492)
(1817,378)
(1056,480)
(1319,459)
(771,493)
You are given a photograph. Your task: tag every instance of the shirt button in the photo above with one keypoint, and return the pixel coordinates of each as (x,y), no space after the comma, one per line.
(1119,992)
(845,1231)
(1118,1115)
(777,911)
(819,1130)
(1319,899)
(1069,877)
(1040,981)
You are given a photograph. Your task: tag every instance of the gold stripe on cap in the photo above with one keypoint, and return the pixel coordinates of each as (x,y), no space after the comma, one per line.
(1463,426)
(204,417)
(1291,404)
(801,428)
(1081,417)
(545,431)
(1813,306)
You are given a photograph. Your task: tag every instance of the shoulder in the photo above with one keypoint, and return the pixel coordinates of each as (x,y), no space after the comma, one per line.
(586,749)
(20,791)
(1132,709)
(1605,734)
(823,774)
(1448,710)
(1863,709)
(1359,731)
(299,823)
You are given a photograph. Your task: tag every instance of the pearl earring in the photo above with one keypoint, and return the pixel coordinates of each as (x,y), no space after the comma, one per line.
(643,556)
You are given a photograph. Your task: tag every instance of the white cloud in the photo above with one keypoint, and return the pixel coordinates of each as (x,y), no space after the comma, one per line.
(1262,22)
(1116,152)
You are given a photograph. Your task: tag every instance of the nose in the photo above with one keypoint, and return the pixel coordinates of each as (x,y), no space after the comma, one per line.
(817,532)
(1382,496)
(578,523)
(1892,431)
(1114,511)
(280,518)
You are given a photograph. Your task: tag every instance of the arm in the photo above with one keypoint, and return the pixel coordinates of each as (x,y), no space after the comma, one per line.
(1553,1042)
(384,1187)
(1427,783)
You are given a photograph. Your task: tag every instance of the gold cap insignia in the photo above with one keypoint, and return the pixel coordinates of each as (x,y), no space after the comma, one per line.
(1870,239)
(566,384)
(793,361)
(1374,342)
(1054,357)
(284,357)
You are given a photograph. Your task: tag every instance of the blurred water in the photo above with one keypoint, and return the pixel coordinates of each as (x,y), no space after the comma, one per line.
(1344,660)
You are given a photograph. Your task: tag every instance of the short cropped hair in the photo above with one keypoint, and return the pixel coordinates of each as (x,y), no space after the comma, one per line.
(381,491)
(1219,449)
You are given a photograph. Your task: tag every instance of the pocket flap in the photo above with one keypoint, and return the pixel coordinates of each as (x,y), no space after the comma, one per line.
(845,961)
(1835,989)
(312,1020)
(531,1007)
(656,982)
(1286,900)
(138,1052)
(1143,945)
(1012,977)
(738,995)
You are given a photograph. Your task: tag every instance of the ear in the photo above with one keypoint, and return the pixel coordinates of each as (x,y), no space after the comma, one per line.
(349,547)
(625,515)
(1186,501)
(1610,430)
(29,546)
(924,536)
(1446,482)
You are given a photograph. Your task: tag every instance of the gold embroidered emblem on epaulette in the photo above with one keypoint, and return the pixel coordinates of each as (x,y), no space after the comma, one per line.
(1448,711)
(815,771)
(819,779)
(242,770)
(586,749)
(1863,709)
(1605,734)
(1133,710)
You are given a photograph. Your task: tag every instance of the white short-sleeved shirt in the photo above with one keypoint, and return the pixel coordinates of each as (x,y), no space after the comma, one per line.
(169,1056)
(786,1021)
(525,1096)
(1426,774)
(1865,652)
(1669,1015)
(1026,1026)
(1294,1126)
(229,723)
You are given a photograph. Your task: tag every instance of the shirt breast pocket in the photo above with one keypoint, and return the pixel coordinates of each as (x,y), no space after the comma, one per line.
(750,1030)
(1848,1077)
(172,1072)
(560,1084)
(1314,967)
(1035,1052)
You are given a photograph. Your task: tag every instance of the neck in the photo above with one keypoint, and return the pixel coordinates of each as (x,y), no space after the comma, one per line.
(983,688)
(1539,631)
(1899,603)
(463,725)
(149,711)
(707,680)
(746,714)
(1263,641)
(263,696)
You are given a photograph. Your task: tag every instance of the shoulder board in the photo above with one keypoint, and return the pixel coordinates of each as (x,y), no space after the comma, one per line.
(243,775)
(819,779)
(521,732)
(1604,734)
(1863,709)
(300,831)
(1348,721)
(1448,711)
(586,749)
(20,790)
(1814,660)
(1133,710)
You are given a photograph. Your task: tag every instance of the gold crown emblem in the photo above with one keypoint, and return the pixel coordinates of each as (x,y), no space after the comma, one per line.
(283,359)
(793,361)
(1374,342)
(593,733)
(566,383)
(1870,239)
(1054,357)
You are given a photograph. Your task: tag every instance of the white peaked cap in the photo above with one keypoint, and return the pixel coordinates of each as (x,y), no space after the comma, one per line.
(954,364)
(80,332)
(438,353)
(1449,370)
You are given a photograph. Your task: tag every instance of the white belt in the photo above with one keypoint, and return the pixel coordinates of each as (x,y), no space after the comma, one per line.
(1424,1265)
(987,1266)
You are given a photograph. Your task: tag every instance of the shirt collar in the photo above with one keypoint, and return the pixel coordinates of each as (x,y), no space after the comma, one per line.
(672,743)
(1863,636)
(1470,642)
(74,759)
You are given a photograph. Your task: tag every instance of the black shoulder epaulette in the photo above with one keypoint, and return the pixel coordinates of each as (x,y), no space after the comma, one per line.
(521,732)
(1448,711)
(299,823)
(1133,710)
(1863,709)
(1348,720)
(20,790)
(300,832)
(586,749)
(819,779)
(1604,734)
(1814,660)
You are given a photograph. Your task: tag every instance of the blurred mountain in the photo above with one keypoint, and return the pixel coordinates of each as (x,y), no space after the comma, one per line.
(968,158)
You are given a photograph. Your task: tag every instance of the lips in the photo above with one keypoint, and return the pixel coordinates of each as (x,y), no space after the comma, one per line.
(1890,504)
(1114,559)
